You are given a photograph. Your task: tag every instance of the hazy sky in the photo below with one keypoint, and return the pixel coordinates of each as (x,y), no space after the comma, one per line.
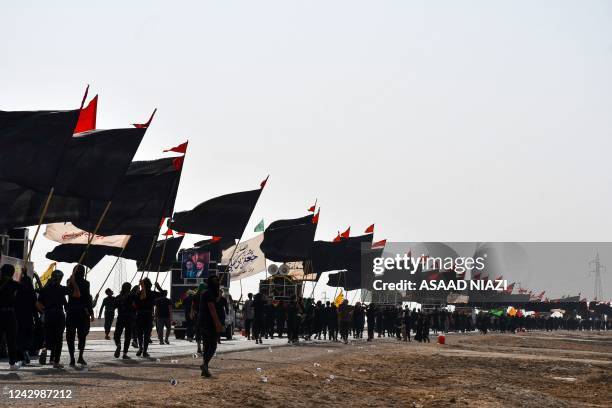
(438,121)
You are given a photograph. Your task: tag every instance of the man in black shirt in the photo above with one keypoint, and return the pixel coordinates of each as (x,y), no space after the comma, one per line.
(208,321)
(163,312)
(8,320)
(108,306)
(125,318)
(52,302)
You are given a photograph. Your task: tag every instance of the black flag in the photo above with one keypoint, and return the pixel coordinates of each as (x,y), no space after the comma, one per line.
(32,144)
(96,162)
(144,197)
(358,267)
(169,259)
(333,256)
(224,216)
(289,240)
(71,253)
(21,207)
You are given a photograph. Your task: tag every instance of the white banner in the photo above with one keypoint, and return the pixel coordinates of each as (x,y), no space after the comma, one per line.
(66,233)
(247,260)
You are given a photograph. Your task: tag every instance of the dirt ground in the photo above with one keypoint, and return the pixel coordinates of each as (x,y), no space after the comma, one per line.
(528,370)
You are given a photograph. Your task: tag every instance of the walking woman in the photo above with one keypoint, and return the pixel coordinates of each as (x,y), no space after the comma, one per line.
(79,313)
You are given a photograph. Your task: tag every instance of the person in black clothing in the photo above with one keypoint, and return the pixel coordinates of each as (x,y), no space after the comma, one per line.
(270,316)
(332,322)
(259,319)
(79,313)
(126,315)
(319,319)
(144,316)
(222,310)
(8,319)
(52,302)
(407,324)
(281,316)
(189,327)
(371,319)
(209,323)
(108,306)
(25,309)
(163,312)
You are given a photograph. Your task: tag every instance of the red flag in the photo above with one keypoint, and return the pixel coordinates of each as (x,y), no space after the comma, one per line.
(145,125)
(215,239)
(315,218)
(370,229)
(337,239)
(182,148)
(178,162)
(433,276)
(87,117)
(379,244)
(346,233)
(168,233)
(311,209)
(263,183)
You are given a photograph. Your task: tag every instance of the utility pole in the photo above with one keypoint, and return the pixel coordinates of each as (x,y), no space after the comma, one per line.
(596,269)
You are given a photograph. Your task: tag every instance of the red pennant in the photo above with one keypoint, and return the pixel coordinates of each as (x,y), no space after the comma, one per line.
(182,148)
(215,239)
(168,233)
(379,244)
(315,218)
(178,162)
(87,117)
(337,239)
(346,233)
(145,125)
(311,209)
(263,183)
(370,229)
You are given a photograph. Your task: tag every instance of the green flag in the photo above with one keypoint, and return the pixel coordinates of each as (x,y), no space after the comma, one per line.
(260,226)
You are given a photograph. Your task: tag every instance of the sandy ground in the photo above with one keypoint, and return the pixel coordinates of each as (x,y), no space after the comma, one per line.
(528,369)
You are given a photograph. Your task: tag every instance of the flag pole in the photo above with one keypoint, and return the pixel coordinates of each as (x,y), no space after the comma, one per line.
(176,182)
(95,231)
(52,190)
(229,263)
(109,272)
(40,221)
(161,259)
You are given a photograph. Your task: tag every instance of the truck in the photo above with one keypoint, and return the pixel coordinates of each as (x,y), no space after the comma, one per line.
(194,267)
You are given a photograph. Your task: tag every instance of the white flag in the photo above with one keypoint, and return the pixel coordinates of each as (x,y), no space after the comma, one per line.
(66,233)
(247,260)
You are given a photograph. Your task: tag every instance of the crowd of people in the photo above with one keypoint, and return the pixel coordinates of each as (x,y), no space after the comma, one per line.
(33,321)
